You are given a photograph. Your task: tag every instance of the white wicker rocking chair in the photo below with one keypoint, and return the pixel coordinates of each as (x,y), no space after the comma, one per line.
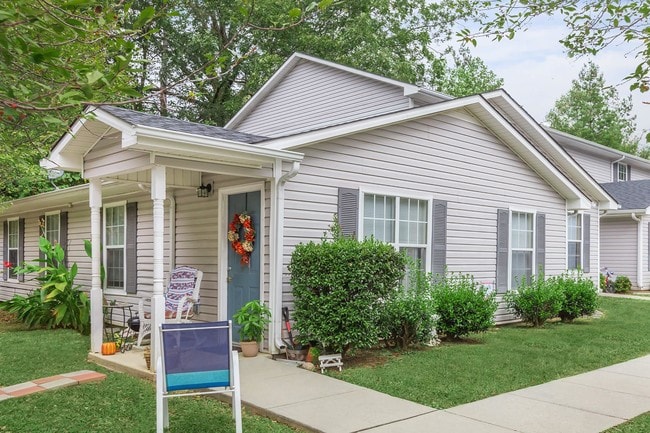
(181,295)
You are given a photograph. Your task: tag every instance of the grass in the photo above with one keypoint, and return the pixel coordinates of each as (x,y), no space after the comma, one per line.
(510,357)
(120,402)
(639,424)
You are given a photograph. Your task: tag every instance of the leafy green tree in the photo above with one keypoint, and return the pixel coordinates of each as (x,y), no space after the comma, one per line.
(392,38)
(468,76)
(594,111)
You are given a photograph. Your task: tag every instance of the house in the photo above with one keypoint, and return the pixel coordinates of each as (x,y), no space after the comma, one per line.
(471,185)
(624,245)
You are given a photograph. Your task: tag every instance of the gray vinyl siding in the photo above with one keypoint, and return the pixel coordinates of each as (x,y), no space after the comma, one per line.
(313,96)
(600,168)
(106,154)
(618,246)
(446,158)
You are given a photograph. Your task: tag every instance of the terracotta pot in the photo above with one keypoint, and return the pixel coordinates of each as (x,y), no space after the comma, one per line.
(147,357)
(249,348)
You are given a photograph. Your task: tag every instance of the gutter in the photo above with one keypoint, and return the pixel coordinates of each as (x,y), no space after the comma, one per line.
(277,252)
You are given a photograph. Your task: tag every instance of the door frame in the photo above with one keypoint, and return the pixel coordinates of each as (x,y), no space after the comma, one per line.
(223,244)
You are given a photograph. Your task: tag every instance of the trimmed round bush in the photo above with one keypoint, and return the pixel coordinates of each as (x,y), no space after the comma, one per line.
(338,287)
(463,306)
(580,296)
(407,317)
(535,302)
(622,284)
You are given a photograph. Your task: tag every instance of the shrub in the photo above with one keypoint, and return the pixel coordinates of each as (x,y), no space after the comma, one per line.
(57,302)
(462,305)
(407,316)
(579,296)
(337,287)
(622,284)
(535,302)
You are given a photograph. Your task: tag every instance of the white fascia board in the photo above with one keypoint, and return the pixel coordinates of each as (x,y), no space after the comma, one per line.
(128,130)
(550,145)
(165,141)
(624,212)
(333,132)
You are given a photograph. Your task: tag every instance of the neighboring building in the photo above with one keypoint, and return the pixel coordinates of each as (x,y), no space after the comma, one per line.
(624,245)
(470,185)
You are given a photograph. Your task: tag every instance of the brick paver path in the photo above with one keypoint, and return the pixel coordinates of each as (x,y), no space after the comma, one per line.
(52,382)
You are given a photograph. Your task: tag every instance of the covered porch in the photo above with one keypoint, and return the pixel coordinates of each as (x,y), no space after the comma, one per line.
(213,173)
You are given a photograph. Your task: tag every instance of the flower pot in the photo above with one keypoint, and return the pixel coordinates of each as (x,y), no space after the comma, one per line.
(249,348)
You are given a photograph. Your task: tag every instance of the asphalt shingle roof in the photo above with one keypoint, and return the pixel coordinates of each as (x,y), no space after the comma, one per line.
(633,194)
(168,123)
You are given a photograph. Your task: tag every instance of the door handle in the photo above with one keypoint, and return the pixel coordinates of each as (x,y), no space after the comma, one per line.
(229,279)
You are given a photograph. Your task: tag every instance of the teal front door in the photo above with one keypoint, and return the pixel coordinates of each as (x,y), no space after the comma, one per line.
(244,278)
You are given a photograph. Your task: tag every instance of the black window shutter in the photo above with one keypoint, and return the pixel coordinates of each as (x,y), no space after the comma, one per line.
(648,236)
(41,233)
(540,244)
(586,243)
(131,248)
(21,245)
(615,172)
(5,248)
(629,172)
(503,229)
(439,237)
(63,235)
(348,211)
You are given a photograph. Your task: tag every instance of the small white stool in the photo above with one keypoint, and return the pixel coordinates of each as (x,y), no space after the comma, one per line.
(328,361)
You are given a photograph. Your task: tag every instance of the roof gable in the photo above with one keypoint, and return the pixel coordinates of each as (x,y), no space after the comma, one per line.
(577,187)
(307,93)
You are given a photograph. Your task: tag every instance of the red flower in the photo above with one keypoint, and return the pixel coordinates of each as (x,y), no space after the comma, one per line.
(7,265)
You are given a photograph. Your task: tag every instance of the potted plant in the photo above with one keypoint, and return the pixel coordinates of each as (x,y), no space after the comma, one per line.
(253,317)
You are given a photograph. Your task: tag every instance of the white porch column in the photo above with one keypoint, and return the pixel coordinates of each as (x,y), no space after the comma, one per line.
(96,298)
(158,193)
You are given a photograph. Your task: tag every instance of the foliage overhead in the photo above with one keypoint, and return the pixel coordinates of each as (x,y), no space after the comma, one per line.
(592,110)
(593,25)
(392,38)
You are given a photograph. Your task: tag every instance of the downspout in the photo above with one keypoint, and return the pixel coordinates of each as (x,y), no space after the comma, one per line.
(277,260)
(639,251)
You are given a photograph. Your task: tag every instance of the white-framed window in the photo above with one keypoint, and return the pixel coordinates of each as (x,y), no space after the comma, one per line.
(115,246)
(400,221)
(574,241)
(52,228)
(522,247)
(13,247)
(622,173)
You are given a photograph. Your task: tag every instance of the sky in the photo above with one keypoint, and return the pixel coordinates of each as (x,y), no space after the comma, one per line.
(537,71)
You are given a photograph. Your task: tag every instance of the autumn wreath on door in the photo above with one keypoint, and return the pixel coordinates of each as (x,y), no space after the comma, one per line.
(242,243)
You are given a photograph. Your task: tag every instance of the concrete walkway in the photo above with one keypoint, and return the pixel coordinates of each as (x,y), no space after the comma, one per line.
(589,402)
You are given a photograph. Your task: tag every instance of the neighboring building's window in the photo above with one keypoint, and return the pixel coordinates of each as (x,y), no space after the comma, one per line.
(522,247)
(13,230)
(399,221)
(622,173)
(574,241)
(52,228)
(114,246)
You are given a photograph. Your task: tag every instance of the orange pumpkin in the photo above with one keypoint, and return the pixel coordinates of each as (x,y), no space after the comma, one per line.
(109,348)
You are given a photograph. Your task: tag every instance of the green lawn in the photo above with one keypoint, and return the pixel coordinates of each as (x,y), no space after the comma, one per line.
(511,357)
(120,403)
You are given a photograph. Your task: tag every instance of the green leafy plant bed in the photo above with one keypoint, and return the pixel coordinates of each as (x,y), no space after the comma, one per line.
(507,358)
(119,402)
